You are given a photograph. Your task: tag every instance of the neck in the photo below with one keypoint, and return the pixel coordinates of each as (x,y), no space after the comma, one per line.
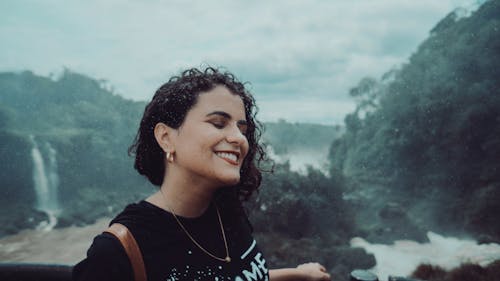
(186,198)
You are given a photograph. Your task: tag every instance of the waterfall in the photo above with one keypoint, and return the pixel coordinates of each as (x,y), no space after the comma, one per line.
(46,182)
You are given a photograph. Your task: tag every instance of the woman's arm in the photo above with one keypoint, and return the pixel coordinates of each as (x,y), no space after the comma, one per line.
(306,272)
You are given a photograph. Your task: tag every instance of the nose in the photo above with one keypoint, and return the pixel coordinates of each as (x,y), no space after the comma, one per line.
(235,136)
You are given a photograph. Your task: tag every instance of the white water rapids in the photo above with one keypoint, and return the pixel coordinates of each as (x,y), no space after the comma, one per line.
(402,257)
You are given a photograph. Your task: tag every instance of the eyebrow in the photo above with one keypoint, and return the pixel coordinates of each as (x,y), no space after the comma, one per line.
(228,116)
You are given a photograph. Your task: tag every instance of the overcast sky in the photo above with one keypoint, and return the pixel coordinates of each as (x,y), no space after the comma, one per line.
(301,57)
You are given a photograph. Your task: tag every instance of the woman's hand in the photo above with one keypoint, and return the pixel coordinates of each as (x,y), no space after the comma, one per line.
(311,271)
(314,271)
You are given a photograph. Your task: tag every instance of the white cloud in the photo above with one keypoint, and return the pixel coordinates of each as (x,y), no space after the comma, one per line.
(300,49)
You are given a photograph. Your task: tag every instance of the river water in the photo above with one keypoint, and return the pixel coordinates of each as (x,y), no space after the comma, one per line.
(62,246)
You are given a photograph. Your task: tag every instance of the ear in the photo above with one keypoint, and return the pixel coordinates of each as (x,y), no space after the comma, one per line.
(163,136)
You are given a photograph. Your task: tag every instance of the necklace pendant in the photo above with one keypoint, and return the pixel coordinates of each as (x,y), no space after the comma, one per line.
(228,259)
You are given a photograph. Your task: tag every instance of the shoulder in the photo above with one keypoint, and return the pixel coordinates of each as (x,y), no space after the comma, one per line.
(106,260)
(105,245)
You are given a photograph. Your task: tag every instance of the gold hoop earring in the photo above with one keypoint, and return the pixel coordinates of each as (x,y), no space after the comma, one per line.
(170,156)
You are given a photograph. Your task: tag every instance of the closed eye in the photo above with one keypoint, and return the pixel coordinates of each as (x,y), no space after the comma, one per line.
(218,125)
(221,119)
(218,119)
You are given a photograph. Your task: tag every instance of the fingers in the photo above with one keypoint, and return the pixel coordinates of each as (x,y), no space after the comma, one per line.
(325,277)
(316,271)
(322,268)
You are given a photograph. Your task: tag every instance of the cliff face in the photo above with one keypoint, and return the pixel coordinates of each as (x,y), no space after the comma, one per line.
(15,171)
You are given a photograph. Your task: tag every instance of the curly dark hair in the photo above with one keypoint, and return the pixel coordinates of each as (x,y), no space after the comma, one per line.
(170,105)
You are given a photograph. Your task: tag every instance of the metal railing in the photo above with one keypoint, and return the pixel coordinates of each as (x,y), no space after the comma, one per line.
(34,272)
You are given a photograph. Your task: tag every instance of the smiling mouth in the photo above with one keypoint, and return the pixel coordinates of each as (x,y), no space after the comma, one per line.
(230,157)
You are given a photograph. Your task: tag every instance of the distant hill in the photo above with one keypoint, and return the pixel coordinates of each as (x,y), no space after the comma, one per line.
(300,144)
(287,137)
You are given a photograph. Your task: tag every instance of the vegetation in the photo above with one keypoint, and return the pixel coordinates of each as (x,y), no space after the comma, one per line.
(429,133)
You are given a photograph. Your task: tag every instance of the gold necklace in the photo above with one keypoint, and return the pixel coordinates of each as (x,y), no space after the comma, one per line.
(227,258)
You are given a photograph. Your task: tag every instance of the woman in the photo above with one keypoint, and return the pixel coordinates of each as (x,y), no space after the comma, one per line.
(198,141)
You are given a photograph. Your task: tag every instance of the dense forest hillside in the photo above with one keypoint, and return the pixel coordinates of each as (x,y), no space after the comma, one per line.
(89,130)
(426,136)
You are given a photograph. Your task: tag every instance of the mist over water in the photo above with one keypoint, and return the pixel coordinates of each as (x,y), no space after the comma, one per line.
(300,159)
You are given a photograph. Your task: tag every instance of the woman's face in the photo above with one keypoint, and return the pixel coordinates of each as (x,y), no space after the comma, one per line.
(211,144)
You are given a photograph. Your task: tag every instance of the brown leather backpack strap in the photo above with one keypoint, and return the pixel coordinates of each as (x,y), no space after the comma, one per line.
(131,248)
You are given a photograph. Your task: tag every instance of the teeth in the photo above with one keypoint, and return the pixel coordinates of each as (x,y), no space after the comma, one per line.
(229,156)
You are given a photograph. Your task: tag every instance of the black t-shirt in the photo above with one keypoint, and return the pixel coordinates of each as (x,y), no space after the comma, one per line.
(168,252)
